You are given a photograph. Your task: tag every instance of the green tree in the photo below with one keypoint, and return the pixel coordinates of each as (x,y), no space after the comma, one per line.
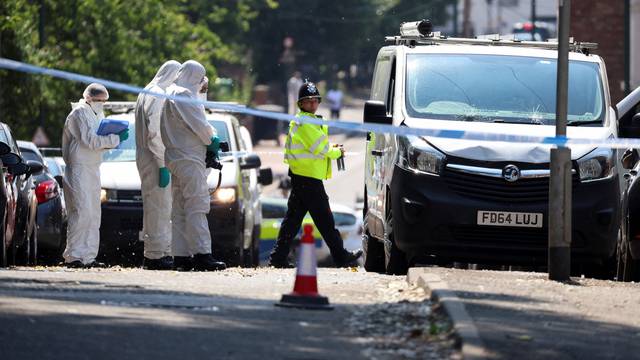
(123,41)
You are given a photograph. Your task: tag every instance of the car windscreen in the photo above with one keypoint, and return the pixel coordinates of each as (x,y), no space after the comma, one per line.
(498,88)
(126,151)
(221,128)
(54,169)
(30,155)
(3,136)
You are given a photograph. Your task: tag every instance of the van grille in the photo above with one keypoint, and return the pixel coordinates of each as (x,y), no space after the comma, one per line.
(497,189)
(507,237)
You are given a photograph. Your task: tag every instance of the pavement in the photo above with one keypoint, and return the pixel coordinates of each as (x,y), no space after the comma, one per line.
(515,315)
(123,313)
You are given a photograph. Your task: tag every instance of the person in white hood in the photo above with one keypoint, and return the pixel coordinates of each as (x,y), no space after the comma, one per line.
(154,175)
(186,135)
(82,151)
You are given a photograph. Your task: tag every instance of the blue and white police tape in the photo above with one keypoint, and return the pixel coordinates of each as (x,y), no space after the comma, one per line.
(345,125)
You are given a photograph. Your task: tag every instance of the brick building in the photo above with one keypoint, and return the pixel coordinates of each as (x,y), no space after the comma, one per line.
(603,22)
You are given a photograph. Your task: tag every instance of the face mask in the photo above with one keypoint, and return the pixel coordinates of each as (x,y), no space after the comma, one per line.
(97,107)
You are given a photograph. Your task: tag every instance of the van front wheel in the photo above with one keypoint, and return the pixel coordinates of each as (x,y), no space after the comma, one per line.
(395,259)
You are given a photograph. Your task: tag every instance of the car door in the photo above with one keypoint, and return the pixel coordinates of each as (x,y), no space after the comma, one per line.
(377,155)
(244,191)
(25,188)
(11,192)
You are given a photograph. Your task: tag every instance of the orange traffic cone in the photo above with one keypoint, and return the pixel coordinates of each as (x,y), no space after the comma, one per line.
(305,291)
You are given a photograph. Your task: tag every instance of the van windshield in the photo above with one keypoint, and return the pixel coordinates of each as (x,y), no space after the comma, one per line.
(494,88)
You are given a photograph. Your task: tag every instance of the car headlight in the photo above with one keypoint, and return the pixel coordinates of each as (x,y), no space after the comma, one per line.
(108,195)
(224,195)
(596,165)
(418,156)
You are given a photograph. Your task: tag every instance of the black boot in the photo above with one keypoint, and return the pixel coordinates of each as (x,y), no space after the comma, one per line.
(206,262)
(348,258)
(75,264)
(96,264)
(164,263)
(183,263)
(280,263)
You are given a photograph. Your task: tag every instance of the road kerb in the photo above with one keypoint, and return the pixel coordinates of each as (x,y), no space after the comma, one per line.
(472,345)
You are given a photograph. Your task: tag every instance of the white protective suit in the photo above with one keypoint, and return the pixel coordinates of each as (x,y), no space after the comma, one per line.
(156,201)
(82,151)
(185,134)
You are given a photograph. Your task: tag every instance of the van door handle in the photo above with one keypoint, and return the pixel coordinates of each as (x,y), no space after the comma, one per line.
(377,152)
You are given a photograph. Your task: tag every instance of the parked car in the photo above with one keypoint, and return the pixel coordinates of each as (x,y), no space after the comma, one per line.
(628,268)
(347,221)
(234,219)
(19,235)
(51,214)
(485,202)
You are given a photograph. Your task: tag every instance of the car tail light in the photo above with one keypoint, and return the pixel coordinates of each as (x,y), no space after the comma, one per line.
(46,191)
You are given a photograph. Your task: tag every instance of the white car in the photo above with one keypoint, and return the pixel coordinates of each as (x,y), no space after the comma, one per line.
(235,216)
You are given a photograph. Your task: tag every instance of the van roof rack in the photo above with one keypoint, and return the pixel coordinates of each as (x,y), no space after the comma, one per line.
(420,33)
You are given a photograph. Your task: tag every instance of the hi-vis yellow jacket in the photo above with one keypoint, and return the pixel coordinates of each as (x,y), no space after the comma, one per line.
(308,151)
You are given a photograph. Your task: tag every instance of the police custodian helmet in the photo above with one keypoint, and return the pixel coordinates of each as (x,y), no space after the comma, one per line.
(309,90)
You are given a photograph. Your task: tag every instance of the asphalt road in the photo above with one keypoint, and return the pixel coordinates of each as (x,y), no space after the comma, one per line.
(58,313)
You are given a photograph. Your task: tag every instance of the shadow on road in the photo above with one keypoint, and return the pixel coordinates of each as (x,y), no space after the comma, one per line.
(100,320)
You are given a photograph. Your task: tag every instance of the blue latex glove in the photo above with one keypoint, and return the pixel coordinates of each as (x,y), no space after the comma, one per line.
(124,135)
(164,177)
(214,147)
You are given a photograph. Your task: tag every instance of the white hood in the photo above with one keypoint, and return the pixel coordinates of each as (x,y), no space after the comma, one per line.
(502,151)
(120,175)
(123,175)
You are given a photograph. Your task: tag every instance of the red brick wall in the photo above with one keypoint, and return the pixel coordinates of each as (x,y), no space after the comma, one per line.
(603,22)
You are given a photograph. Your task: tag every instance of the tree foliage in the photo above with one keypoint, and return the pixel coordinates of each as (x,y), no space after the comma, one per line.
(120,40)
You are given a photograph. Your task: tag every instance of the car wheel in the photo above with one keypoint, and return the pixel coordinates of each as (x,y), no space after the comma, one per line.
(3,247)
(33,247)
(628,269)
(252,254)
(372,250)
(395,260)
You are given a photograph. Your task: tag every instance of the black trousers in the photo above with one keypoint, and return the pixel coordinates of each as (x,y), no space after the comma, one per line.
(307,194)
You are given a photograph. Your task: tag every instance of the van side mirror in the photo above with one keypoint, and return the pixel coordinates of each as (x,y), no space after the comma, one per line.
(251,161)
(265,177)
(35,167)
(629,159)
(375,112)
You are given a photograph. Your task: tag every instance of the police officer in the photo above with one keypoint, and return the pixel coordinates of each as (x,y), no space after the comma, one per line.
(308,154)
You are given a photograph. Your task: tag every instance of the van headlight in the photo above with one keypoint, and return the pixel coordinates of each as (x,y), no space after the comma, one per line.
(596,165)
(103,196)
(418,156)
(224,195)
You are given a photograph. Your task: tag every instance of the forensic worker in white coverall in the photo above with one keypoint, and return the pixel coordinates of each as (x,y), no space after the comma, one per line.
(82,151)
(154,175)
(187,135)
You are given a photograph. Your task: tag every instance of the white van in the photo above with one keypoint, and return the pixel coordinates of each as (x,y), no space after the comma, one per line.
(440,199)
